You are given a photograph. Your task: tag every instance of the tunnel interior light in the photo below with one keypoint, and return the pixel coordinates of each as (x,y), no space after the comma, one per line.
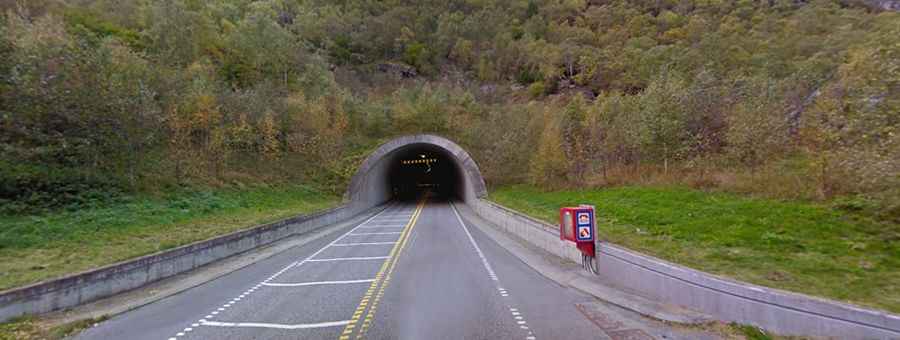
(425,161)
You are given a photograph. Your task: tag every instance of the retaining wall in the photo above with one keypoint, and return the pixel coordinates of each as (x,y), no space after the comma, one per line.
(76,289)
(774,310)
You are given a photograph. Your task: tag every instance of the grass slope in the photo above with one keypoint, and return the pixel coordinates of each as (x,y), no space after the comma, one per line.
(795,246)
(34,248)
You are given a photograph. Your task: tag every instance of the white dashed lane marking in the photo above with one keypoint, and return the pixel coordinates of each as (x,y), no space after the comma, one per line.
(205,321)
(517,316)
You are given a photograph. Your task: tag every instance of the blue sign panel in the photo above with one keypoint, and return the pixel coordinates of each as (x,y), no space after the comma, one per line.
(584,225)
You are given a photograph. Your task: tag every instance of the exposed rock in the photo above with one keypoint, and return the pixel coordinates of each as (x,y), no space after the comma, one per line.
(886,5)
(565,83)
(778,276)
(398,69)
(568,87)
(488,89)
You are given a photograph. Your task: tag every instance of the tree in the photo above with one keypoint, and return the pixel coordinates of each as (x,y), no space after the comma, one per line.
(550,164)
(259,48)
(757,126)
(269,145)
(177,33)
(662,119)
(852,127)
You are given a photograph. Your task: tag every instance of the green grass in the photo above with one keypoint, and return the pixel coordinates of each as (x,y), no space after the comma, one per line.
(39,247)
(30,328)
(796,246)
(750,332)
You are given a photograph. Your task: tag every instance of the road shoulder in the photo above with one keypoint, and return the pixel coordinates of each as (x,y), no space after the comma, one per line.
(572,275)
(162,289)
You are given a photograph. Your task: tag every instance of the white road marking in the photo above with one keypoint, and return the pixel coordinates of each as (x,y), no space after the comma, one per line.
(520,320)
(317,283)
(484,260)
(349,259)
(383,226)
(389,233)
(277,326)
(362,244)
(294,264)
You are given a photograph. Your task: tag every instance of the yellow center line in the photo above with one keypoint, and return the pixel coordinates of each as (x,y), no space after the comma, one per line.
(382,276)
(387,280)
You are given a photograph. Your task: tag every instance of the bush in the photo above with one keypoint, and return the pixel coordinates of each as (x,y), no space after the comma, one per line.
(26,188)
(537,89)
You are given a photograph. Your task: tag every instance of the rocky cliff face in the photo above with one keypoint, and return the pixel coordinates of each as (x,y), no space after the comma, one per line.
(886,5)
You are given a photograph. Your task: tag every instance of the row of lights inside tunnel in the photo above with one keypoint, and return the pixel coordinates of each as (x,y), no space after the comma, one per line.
(426,161)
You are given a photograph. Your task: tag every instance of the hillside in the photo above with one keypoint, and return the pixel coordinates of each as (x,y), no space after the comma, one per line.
(786,99)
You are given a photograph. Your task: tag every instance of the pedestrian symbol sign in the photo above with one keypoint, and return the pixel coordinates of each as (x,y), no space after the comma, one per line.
(584,232)
(585,223)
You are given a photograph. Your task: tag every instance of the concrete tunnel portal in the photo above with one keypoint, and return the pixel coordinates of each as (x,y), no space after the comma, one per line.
(404,167)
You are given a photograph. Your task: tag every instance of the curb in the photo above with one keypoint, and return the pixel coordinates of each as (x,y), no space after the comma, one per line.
(156,291)
(569,274)
(85,287)
(778,311)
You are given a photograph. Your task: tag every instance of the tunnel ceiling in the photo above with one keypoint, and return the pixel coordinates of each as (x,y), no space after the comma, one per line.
(416,161)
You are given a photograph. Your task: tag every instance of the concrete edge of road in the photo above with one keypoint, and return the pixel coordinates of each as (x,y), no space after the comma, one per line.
(570,274)
(632,274)
(138,297)
(96,284)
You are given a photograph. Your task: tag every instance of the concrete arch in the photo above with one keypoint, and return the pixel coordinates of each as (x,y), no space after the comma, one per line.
(371,186)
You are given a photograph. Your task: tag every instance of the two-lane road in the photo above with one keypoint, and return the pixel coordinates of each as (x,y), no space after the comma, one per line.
(413,271)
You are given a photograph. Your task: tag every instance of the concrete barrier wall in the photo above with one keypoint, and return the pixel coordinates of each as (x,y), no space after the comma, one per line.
(775,310)
(106,281)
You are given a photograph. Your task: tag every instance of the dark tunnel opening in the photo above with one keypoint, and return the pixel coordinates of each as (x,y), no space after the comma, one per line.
(420,168)
(405,167)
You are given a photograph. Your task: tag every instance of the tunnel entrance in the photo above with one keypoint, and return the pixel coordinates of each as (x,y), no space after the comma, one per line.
(405,167)
(418,168)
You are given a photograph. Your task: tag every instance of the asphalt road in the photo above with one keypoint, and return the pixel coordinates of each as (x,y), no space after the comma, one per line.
(413,271)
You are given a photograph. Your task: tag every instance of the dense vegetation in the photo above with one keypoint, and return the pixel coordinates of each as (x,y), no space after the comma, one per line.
(795,246)
(788,98)
(114,111)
